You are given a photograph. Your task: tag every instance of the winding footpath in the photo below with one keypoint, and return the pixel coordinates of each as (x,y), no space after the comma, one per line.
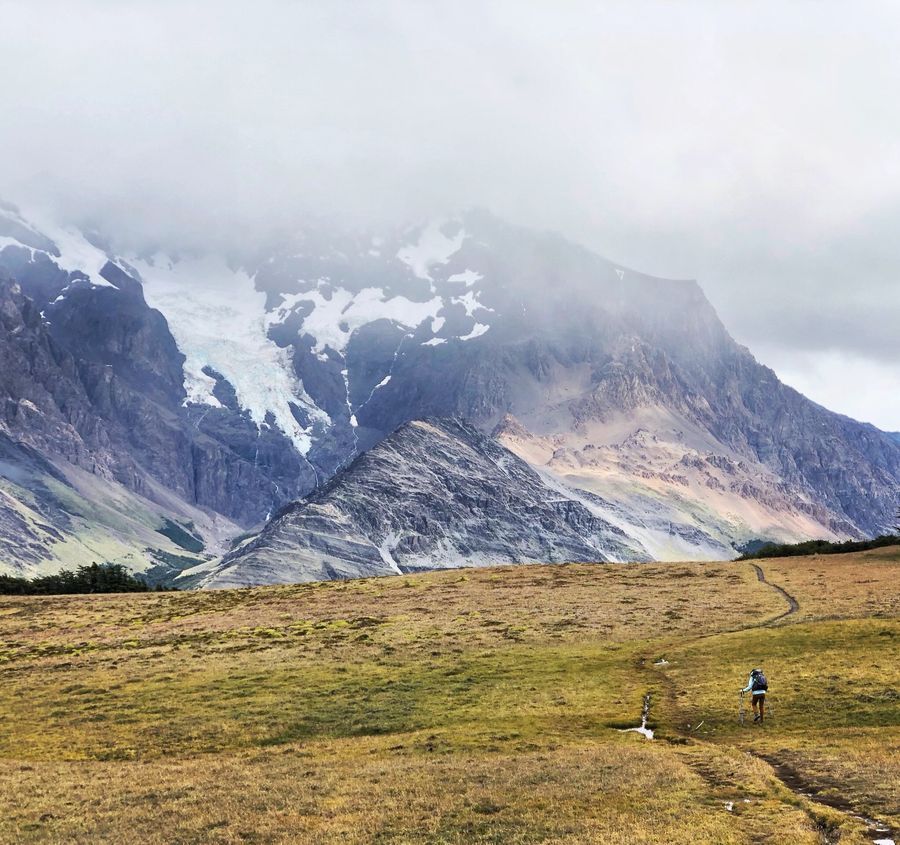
(878,832)
(881,834)
(793,604)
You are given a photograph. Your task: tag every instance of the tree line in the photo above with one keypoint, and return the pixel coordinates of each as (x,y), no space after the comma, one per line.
(96,578)
(821,547)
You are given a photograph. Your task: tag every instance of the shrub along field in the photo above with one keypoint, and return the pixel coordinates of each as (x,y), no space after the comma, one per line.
(481,706)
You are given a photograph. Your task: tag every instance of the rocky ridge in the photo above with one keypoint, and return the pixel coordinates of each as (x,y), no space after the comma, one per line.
(435,494)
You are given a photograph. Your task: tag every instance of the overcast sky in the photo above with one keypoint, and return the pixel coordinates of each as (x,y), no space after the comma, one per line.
(753,146)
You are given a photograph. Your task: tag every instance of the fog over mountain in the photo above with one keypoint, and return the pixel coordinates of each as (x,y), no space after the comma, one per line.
(753,149)
(465,391)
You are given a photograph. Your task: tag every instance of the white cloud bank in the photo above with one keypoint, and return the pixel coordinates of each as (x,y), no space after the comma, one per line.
(751,146)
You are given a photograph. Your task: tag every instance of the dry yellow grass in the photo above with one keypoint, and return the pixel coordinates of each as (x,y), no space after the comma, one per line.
(369,790)
(465,706)
(840,586)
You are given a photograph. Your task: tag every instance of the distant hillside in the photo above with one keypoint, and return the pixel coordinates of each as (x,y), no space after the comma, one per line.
(436,494)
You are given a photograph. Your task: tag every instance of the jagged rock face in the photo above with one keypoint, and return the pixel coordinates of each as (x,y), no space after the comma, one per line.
(54,514)
(115,398)
(571,345)
(435,494)
(115,406)
(22,539)
(44,402)
(240,385)
(71,489)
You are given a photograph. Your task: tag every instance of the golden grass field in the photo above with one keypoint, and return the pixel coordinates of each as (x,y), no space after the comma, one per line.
(466,706)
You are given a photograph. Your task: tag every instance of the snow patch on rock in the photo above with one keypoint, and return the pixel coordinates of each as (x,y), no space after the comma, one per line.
(385,549)
(6,241)
(470,303)
(76,253)
(477,331)
(468,277)
(432,248)
(338,313)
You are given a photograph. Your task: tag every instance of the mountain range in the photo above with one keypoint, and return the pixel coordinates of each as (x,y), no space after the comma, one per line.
(192,412)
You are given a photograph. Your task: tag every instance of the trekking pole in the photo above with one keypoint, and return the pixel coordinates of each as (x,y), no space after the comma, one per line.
(741,709)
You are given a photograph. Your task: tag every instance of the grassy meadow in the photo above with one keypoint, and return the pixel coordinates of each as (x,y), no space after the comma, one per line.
(481,706)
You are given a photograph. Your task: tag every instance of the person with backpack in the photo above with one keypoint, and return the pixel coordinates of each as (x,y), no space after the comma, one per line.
(758,686)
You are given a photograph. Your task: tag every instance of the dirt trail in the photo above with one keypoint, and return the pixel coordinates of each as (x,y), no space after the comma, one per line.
(790,777)
(793,604)
(794,780)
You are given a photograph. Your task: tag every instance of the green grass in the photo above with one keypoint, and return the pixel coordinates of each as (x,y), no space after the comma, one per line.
(181,536)
(481,706)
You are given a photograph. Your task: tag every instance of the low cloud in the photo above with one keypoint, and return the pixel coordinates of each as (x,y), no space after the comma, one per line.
(753,148)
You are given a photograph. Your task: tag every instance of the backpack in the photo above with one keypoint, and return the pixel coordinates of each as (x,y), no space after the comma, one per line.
(760,682)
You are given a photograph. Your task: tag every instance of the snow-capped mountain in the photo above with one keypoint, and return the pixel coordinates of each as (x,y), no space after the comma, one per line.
(233,386)
(293,340)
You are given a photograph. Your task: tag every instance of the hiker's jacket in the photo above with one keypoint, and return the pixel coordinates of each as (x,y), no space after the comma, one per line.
(749,688)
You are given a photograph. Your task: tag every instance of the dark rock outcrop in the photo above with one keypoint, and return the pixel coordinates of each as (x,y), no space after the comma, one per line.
(98,381)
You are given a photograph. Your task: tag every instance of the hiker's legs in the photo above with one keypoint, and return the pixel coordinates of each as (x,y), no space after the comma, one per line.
(762,707)
(757,704)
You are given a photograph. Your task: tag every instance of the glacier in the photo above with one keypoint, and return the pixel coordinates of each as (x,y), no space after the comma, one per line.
(219,320)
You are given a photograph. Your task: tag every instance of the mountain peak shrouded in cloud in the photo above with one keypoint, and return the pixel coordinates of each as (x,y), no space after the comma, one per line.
(750,148)
(186,380)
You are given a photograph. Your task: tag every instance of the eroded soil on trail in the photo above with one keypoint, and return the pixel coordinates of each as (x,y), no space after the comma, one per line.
(793,604)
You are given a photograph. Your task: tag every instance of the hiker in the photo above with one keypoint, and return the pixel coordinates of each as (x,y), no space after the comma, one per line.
(757,686)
